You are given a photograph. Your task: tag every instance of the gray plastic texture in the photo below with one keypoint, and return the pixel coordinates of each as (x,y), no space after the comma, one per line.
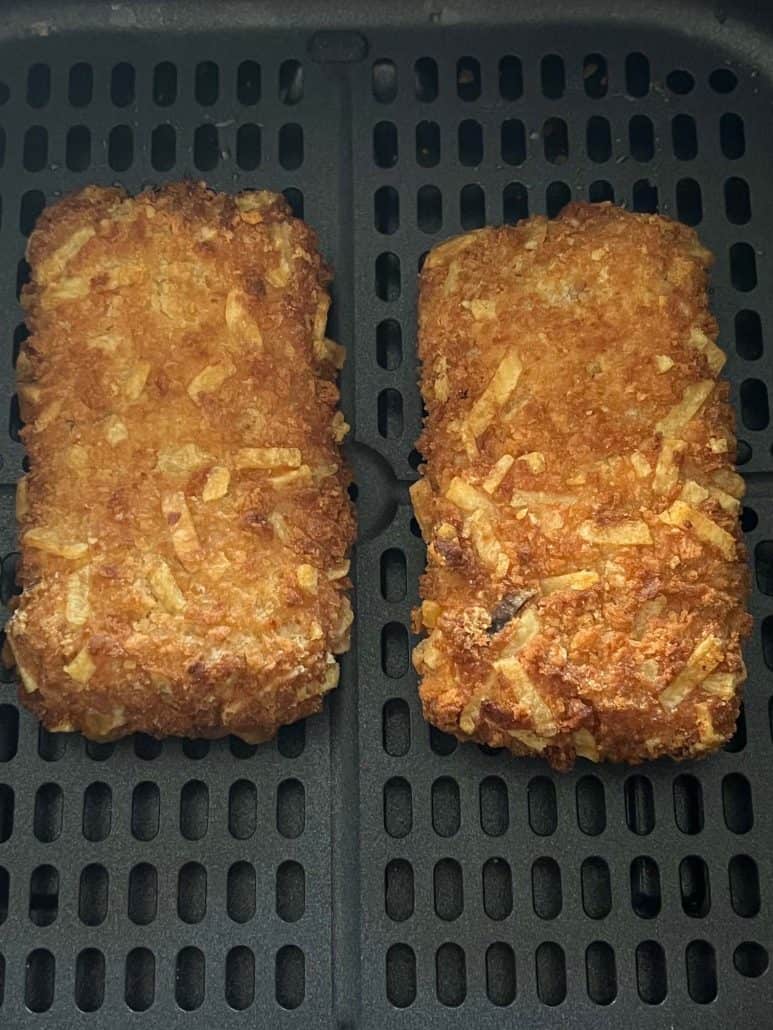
(362,871)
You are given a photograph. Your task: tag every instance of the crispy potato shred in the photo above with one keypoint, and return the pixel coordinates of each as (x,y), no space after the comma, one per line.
(586,581)
(185,523)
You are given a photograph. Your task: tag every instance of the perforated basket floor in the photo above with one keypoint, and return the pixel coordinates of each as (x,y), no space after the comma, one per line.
(362,871)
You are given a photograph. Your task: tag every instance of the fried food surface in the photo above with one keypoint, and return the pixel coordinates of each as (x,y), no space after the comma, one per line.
(185,522)
(586,580)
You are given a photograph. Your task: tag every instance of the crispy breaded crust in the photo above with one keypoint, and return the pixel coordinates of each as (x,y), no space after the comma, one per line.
(185,522)
(586,578)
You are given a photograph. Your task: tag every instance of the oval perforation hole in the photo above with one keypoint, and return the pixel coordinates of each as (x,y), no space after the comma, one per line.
(743,267)
(99,750)
(240,892)
(543,811)
(510,78)
(694,886)
(738,741)
(248,83)
(122,84)
(97,811)
(39,980)
(401,975)
(290,892)
(5,893)
(142,899)
(684,137)
(448,889)
(146,810)
(546,891)
(750,959)
(194,810)
(164,84)
(395,647)
(645,197)
(645,887)
(513,141)
(552,76)
(722,80)
(384,81)
(389,344)
(294,198)
(248,147)
(290,82)
(472,207)
(206,147)
(470,139)
(738,207)
(441,743)
(6,812)
(446,807)
(385,149)
(290,977)
(641,138)
(450,975)
(78,148)
(598,139)
(290,808)
(748,335)
(732,137)
(80,85)
(429,209)
(701,972)
(637,75)
(551,973)
(240,978)
(555,139)
(398,890)
(680,81)
(146,747)
(192,892)
(93,894)
(38,85)
(763,566)
(35,149)
(9,732)
(639,805)
(497,889)
(600,191)
(49,806)
(744,886)
(396,727)
(737,803)
(468,82)
(494,808)
(242,809)
(688,804)
(195,749)
(394,575)
(515,203)
(596,887)
(689,203)
(386,210)
(651,979)
(120,148)
(427,144)
(557,196)
(189,979)
(425,80)
(594,76)
(291,740)
(44,895)
(601,973)
(206,83)
(500,974)
(387,277)
(755,413)
(591,805)
(90,980)
(140,982)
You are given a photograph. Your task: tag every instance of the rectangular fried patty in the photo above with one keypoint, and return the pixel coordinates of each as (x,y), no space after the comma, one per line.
(185,521)
(586,580)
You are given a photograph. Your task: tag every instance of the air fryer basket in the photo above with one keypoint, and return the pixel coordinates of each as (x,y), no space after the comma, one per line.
(363,871)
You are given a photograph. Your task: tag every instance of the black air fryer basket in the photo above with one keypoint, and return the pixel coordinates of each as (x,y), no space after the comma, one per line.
(363,871)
